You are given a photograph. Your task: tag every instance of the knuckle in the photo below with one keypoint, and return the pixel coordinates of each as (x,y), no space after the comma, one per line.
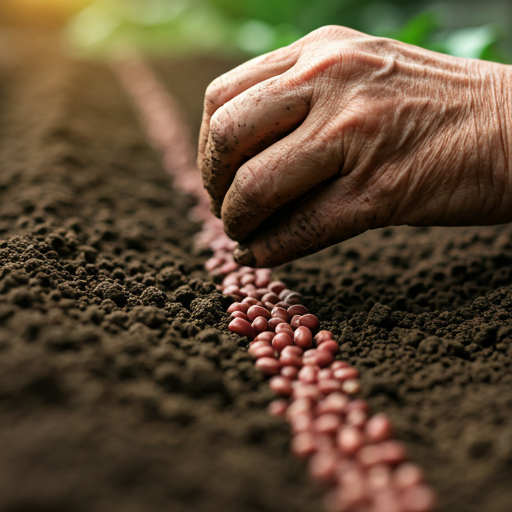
(213,94)
(249,186)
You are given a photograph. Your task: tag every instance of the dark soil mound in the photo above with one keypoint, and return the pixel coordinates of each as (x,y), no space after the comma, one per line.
(120,387)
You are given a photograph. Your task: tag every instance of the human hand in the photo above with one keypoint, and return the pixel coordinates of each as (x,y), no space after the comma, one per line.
(342,132)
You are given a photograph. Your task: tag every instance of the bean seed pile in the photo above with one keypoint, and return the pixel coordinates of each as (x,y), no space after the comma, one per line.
(351,452)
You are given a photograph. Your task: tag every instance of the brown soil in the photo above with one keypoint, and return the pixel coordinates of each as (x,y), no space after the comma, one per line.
(120,388)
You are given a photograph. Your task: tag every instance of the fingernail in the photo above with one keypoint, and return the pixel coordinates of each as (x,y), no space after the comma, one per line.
(244,256)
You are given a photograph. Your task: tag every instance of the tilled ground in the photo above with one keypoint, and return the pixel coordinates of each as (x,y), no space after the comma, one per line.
(120,387)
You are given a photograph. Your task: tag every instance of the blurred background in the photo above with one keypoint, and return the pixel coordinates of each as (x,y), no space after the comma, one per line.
(241,29)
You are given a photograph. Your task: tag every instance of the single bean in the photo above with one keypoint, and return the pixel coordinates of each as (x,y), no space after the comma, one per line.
(370,455)
(233,290)
(328,386)
(277,407)
(301,422)
(290,360)
(358,405)
(327,424)
(248,288)
(335,402)
(242,327)
(329,345)
(262,351)
(407,475)
(302,390)
(418,498)
(239,314)
(293,298)
(379,479)
(230,280)
(238,306)
(274,322)
(310,321)
(255,311)
(284,293)
(322,466)
(346,373)
(303,445)
(325,374)
(278,312)
(290,372)
(393,452)
(294,322)
(251,301)
(270,297)
(283,305)
(357,418)
(350,440)
(297,309)
(323,336)
(284,327)
(299,406)
(302,337)
(268,365)
(276,287)
(281,341)
(351,386)
(259,343)
(265,336)
(378,428)
(338,365)
(309,374)
(281,385)
(247,279)
(293,350)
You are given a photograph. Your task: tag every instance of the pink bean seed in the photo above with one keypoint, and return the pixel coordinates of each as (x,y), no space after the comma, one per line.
(328,386)
(357,405)
(242,327)
(265,336)
(248,288)
(284,327)
(407,475)
(262,277)
(212,263)
(369,455)
(303,445)
(418,498)
(301,422)
(325,374)
(238,306)
(247,279)
(274,322)
(334,402)
(284,293)
(250,301)
(294,322)
(379,479)
(329,345)
(293,298)
(277,408)
(357,418)
(351,386)
(293,350)
(281,385)
(297,309)
(260,324)
(393,452)
(302,337)
(346,373)
(272,298)
(290,372)
(283,305)
(309,374)
(256,343)
(255,311)
(378,428)
(229,267)
(232,290)
(350,440)
(325,442)
(268,365)
(281,341)
(327,424)
(239,314)
(353,488)
(261,351)
(338,365)
(387,500)
(278,312)
(242,271)
(310,321)
(230,280)
(322,466)
(290,360)
(323,336)
(320,358)
(302,390)
(276,287)
(259,293)
(299,406)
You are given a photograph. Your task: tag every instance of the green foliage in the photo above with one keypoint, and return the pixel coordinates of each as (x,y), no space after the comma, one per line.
(258,26)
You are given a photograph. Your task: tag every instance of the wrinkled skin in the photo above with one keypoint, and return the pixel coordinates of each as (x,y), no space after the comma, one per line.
(342,132)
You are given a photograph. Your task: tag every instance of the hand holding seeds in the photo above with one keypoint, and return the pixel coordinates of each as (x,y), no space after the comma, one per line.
(342,132)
